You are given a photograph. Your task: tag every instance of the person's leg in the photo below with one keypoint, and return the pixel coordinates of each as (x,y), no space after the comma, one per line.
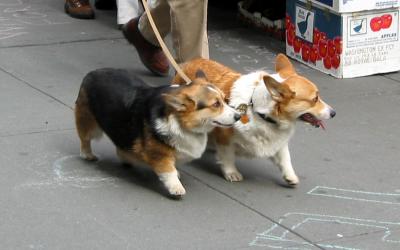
(128,9)
(189,29)
(139,33)
(160,11)
(188,21)
(205,53)
(189,32)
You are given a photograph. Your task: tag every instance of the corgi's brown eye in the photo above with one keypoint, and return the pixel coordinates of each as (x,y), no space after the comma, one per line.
(315,99)
(216,104)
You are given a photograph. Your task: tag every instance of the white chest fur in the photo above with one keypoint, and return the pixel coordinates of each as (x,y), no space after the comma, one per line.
(188,145)
(189,148)
(257,138)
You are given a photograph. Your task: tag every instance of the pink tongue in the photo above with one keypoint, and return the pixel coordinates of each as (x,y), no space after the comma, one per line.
(321,124)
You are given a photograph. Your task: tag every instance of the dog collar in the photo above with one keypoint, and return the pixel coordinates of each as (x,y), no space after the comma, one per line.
(242,109)
(267,118)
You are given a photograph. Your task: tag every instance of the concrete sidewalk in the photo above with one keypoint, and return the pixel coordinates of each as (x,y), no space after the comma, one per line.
(348,198)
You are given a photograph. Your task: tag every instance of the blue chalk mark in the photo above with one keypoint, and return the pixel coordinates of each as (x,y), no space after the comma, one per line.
(357,195)
(279,238)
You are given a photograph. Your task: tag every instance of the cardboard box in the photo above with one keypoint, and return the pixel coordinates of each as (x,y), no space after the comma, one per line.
(343,45)
(342,6)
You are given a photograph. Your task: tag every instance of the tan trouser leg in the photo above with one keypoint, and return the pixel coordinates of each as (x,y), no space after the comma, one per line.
(160,12)
(187,21)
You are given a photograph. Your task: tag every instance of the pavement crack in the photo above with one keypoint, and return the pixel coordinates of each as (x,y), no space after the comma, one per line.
(35,132)
(63,42)
(390,78)
(35,88)
(251,208)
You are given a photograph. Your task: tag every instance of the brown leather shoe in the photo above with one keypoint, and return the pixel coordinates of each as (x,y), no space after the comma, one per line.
(79,9)
(151,56)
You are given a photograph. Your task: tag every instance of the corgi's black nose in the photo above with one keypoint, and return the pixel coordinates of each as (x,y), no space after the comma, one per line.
(333,113)
(237,117)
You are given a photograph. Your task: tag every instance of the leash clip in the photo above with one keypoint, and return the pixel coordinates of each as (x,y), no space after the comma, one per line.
(242,109)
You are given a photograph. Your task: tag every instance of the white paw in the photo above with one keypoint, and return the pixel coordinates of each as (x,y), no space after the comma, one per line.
(292,180)
(233,176)
(172,183)
(176,190)
(89,156)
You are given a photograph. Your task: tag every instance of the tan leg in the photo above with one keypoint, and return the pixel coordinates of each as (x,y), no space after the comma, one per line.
(86,126)
(187,21)
(189,25)
(225,154)
(124,157)
(205,51)
(169,176)
(161,159)
(226,158)
(160,12)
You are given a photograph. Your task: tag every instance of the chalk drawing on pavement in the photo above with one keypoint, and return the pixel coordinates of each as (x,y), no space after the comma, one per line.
(16,19)
(356,195)
(327,231)
(69,171)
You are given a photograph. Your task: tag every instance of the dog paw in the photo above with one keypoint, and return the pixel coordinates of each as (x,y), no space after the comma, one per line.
(292,180)
(176,190)
(233,176)
(172,184)
(89,156)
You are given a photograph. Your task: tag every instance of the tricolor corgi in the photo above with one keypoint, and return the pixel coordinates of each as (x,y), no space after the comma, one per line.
(272,103)
(155,126)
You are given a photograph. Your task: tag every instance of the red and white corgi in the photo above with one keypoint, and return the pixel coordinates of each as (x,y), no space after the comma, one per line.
(272,103)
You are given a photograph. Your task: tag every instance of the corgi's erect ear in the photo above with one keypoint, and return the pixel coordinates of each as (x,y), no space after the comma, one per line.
(180,102)
(278,91)
(284,67)
(200,74)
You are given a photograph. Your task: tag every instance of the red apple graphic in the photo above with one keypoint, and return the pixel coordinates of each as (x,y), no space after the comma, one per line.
(386,21)
(331,48)
(314,54)
(323,47)
(322,35)
(297,44)
(290,34)
(317,36)
(376,24)
(305,52)
(338,44)
(327,62)
(335,61)
(287,21)
(289,38)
